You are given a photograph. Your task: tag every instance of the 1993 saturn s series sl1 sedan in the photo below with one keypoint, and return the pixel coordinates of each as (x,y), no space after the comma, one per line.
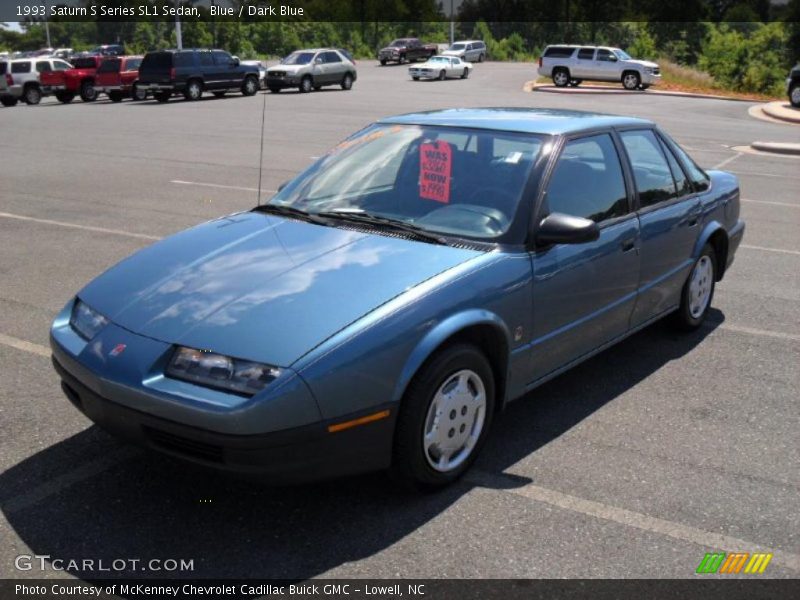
(380,309)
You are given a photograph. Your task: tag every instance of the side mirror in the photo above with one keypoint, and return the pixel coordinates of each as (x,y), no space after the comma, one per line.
(235,61)
(613,58)
(558,228)
(283,185)
(318,60)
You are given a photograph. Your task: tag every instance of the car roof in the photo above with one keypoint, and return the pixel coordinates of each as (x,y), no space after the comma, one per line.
(467,41)
(522,120)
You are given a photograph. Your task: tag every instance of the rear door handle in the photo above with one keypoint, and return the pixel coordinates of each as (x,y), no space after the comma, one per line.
(628,245)
(692,221)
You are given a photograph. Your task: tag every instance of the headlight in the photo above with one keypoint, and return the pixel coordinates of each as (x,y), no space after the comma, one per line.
(86,321)
(219,371)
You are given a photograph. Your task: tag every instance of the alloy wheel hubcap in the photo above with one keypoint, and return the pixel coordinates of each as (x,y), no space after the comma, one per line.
(796,95)
(700,286)
(630,81)
(454,421)
(561,77)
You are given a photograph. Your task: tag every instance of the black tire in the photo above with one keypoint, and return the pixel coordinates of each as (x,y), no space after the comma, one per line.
(683,318)
(465,74)
(275,90)
(115,96)
(306,84)
(317,88)
(32,95)
(87,92)
(402,59)
(162,96)
(576,82)
(644,86)
(561,77)
(9,101)
(383,62)
(193,91)
(631,80)
(138,94)
(347,82)
(442,75)
(410,462)
(794,95)
(250,86)
(65,97)
(415,78)
(219,94)
(481,57)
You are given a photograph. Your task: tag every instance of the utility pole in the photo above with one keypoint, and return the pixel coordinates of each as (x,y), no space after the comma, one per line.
(47,24)
(178,34)
(452,25)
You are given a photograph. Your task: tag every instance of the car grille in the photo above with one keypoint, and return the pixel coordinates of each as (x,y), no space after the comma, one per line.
(184,446)
(277,74)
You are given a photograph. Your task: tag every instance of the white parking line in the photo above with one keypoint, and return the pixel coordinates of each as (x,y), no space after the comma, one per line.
(25,345)
(630,518)
(764,249)
(727,161)
(141,236)
(218,185)
(789,204)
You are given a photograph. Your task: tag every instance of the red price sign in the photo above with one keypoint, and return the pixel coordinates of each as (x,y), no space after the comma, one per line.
(435,163)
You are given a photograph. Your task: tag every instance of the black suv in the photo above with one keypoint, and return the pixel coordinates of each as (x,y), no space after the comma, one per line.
(191,72)
(793,86)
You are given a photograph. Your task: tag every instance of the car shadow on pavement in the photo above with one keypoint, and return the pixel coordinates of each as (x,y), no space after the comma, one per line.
(75,500)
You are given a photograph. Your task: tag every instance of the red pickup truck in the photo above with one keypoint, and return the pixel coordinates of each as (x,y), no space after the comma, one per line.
(78,80)
(118,77)
(406,49)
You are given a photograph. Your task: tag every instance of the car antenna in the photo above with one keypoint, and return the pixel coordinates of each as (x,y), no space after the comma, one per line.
(261,154)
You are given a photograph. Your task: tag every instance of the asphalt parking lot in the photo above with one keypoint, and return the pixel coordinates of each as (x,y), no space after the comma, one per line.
(634,464)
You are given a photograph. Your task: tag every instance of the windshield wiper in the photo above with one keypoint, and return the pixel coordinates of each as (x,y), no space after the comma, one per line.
(289,211)
(363,217)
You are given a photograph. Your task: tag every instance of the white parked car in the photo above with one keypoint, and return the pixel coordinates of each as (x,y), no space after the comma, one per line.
(571,65)
(441,67)
(469,50)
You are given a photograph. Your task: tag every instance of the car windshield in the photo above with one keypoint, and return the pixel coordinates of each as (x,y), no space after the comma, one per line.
(439,59)
(622,55)
(298,58)
(397,43)
(444,180)
(457,47)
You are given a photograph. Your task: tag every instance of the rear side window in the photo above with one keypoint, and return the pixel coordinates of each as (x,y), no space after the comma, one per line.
(3,68)
(110,66)
(23,67)
(700,179)
(587,181)
(332,57)
(184,59)
(650,169)
(558,52)
(206,60)
(681,181)
(586,53)
(133,64)
(157,60)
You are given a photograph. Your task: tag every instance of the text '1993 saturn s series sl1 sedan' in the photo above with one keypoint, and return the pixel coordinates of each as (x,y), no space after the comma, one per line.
(380,309)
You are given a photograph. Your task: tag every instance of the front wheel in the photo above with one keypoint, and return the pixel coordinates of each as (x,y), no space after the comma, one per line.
(631,80)
(442,75)
(162,96)
(444,418)
(250,86)
(481,58)
(415,78)
(65,97)
(115,96)
(383,62)
(87,92)
(8,101)
(275,90)
(306,85)
(465,74)
(193,91)
(794,95)
(697,291)
(32,95)
(347,82)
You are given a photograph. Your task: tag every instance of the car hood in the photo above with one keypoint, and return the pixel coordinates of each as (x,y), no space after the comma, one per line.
(287,68)
(259,287)
(643,63)
(453,52)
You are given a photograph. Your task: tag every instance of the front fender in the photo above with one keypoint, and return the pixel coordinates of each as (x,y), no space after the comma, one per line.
(438,335)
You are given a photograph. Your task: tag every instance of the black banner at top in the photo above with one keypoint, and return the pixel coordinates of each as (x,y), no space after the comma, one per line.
(419,11)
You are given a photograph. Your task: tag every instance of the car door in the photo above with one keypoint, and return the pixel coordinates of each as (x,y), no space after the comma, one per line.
(669,214)
(226,75)
(334,67)
(606,66)
(583,294)
(584,62)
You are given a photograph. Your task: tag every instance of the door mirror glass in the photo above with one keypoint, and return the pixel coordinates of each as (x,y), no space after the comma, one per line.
(235,61)
(558,228)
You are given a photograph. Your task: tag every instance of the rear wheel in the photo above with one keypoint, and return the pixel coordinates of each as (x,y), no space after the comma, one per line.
(576,82)
(631,80)
(794,95)
(162,96)
(250,86)
(698,291)
(8,101)
(306,85)
(87,92)
(383,62)
(65,97)
(444,418)
(138,93)
(347,82)
(194,90)
(644,86)
(465,74)
(115,96)
(561,77)
(415,78)
(32,95)
(481,57)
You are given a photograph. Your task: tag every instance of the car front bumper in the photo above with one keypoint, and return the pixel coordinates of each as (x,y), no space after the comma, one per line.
(422,74)
(289,81)
(651,78)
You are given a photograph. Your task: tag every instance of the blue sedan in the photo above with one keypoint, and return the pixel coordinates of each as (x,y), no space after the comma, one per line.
(386,303)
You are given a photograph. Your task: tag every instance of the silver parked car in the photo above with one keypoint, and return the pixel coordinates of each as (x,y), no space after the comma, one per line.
(311,69)
(22,78)
(440,67)
(469,50)
(571,65)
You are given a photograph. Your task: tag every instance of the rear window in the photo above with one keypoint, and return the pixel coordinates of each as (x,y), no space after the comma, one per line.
(110,66)
(558,52)
(3,68)
(157,60)
(21,67)
(84,63)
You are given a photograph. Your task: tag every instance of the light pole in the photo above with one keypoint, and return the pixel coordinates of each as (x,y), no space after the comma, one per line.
(47,24)
(452,25)
(178,34)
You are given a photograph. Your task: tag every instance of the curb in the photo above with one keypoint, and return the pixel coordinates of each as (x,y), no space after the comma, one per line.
(532,86)
(781,111)
(777,148)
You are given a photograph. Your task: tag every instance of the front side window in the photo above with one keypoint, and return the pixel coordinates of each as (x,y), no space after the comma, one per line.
(443,179)
(222,58)
(85,63)
(184,59)
(681,181)
(588,181)
(110,65)
(650,169)
(605,55)
(60,65)
(133,64)
(298,58)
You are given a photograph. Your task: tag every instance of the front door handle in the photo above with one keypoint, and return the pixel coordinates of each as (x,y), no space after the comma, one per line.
(628,245)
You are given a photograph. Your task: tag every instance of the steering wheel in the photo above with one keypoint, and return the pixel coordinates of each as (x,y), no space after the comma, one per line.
(468,216)
(498,198)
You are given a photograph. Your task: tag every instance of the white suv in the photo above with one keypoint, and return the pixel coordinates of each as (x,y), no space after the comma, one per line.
(570,65)
(468,50)
(23,81)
